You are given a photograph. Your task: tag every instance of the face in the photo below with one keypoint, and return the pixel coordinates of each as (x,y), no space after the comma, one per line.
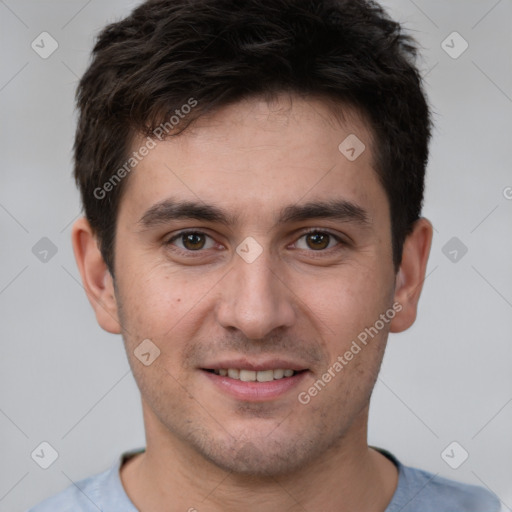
(251,246)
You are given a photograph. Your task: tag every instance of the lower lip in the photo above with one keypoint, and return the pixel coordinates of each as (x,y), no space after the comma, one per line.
(255,391)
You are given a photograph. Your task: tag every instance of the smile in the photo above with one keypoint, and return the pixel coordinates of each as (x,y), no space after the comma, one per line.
(254,376)
(251,385)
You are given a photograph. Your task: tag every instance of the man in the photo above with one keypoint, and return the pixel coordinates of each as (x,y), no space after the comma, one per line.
(252,176)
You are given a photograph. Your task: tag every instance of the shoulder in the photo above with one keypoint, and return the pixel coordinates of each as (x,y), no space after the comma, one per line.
(420,490)
(83,496)
(102,491)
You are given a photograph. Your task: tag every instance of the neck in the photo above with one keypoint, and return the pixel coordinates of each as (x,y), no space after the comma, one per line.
(349,476)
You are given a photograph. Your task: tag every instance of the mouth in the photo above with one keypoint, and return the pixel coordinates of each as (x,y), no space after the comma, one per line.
(255,382)
(253,375)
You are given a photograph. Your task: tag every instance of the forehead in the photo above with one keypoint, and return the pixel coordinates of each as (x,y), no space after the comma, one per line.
(255,156)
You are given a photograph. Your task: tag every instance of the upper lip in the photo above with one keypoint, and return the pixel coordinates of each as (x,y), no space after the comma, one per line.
(245,364)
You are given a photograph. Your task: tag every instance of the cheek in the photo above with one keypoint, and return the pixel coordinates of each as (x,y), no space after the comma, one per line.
(160,304)
(348,301)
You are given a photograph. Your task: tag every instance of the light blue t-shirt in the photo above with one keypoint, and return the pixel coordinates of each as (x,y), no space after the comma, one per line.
(417,491)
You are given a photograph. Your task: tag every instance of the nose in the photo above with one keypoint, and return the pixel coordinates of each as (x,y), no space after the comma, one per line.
(255,298)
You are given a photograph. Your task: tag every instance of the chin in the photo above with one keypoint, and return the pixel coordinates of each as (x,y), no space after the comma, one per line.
(261,457)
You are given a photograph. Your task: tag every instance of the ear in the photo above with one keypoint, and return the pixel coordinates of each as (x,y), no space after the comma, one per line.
(96,278)
(411,274)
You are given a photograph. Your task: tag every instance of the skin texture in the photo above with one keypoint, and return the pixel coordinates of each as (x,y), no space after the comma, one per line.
(206,449)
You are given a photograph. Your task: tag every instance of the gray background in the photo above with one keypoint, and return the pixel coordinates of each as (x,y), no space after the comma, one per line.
(448,378)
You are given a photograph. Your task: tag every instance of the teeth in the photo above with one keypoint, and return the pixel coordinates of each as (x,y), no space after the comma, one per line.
(247,376)
(278,374)
(233,373)
(265,376)
(254,376)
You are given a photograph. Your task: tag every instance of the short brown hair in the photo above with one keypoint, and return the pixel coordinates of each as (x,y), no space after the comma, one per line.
(151,63)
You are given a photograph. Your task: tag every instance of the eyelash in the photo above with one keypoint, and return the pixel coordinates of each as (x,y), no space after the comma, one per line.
(190,253)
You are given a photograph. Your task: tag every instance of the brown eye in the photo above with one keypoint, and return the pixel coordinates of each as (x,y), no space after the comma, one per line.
(191,241)
(318,241)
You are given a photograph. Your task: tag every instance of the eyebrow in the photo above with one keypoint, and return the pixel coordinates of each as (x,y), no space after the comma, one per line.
(171,209)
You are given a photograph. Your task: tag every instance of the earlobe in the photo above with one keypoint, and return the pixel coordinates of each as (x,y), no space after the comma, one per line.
(410,276)
(96,278)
